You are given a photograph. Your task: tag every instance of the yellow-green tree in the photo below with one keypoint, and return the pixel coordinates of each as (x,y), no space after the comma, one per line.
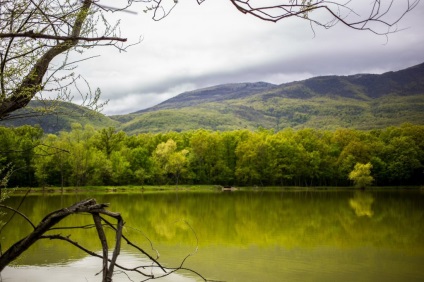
(168,161)
(361,175)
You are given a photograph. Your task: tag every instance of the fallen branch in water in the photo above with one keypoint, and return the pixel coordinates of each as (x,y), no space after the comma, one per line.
(96,210)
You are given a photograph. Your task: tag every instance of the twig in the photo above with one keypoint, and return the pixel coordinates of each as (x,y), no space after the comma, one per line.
(16,211)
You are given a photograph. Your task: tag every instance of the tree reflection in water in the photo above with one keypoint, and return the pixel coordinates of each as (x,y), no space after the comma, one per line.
(361,203)
(273,236)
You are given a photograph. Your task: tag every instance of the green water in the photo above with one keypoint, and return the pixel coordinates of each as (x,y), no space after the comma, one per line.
(241,236)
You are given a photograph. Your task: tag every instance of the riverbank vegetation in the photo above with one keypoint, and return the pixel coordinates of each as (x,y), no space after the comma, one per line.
(306,157)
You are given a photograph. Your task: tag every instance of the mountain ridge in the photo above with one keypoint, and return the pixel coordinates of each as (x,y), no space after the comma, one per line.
(360,101)
(373,85)
(212,93)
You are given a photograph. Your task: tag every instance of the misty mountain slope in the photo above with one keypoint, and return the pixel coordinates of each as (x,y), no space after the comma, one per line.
(409,81)
(362,101)
(217,93)
(405,82)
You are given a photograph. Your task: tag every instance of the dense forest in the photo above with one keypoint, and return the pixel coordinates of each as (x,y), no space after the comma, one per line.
(305,157)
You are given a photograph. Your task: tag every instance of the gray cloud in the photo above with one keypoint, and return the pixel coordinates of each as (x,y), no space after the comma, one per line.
(200,46)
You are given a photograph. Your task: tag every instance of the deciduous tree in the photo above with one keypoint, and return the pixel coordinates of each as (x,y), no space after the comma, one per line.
(33,34)
(361,175)
(168,161)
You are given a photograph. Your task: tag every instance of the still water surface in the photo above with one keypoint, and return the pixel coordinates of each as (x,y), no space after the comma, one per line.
(241,235)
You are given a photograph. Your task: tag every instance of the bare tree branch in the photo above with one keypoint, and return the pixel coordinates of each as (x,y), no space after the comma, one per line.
(31,34)
(103,241)
(15,211)
(91,253)
(135,246)
(32,82)
(49,221)
(381,18)
(377,20)
(108,264)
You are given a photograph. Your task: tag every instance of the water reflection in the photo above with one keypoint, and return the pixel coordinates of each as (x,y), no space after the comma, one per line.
(85,269)
(361,203)
(252,236)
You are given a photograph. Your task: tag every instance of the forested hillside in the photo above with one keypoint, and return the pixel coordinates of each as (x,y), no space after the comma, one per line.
(362,101)
(56,116)
(305,157)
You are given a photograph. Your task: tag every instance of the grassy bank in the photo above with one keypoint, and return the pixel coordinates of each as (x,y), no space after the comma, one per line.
(191,188)
(113,189)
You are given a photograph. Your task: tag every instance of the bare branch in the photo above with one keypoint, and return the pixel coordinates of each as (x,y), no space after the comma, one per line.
(377,21)
(89,206)
(31,84)
(91,253)
(103,241)
(14,212)
(49,221)
(136,247)
(117,250)
(31,34)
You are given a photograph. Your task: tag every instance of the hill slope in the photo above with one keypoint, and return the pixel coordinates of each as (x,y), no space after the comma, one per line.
(57,116)
(219,93)
(362,101)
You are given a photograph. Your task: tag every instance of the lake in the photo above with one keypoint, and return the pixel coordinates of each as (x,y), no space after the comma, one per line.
(287,235)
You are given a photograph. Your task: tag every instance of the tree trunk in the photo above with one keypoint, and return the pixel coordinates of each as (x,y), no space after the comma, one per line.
(32,82)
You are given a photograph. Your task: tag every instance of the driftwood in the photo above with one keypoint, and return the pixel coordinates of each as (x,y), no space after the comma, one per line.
(96,210)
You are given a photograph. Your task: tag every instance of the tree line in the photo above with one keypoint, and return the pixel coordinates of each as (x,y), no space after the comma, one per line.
(306,157)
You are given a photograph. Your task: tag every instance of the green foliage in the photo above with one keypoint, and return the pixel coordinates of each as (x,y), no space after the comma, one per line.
(359,101)
(17,150)
(56,116)
(280,111)
(108,140)
(5,173)
(361,175)
(305,157)
(168,161)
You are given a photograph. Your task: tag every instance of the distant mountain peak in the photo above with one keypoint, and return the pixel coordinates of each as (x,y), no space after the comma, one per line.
(217,93)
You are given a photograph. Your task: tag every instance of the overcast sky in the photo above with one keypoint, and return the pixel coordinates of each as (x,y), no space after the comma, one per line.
(200,46)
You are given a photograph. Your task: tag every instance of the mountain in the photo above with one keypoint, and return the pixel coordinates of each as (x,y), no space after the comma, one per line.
(212,94)
(361,101)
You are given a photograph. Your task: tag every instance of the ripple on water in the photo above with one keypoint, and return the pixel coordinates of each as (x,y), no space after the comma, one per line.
(81,270)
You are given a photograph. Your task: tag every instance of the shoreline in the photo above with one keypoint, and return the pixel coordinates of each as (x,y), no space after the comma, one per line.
(193,188)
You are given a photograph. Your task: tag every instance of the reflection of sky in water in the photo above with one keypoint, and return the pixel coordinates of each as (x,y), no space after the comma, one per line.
(292,236)
(82,270)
